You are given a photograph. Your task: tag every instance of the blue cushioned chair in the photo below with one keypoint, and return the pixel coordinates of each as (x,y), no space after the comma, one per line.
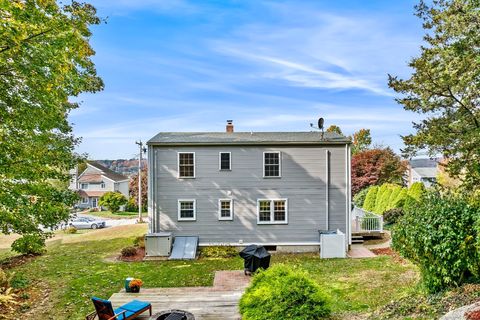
(105,311)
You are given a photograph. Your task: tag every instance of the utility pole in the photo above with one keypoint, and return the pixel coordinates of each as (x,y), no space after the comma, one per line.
(142,149)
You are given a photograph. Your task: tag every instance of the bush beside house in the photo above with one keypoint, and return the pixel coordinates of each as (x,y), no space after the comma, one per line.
(440,234)
(281,292)
(113,201)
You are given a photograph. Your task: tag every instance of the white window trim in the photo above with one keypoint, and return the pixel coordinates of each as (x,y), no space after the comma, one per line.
(271,211)
(220,210)
(194,165)
(83,183)
(83,200)
(194,210)
(279,165)
(220,161)
(102,185)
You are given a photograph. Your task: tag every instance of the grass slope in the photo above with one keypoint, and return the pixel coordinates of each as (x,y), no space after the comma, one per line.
(77,267)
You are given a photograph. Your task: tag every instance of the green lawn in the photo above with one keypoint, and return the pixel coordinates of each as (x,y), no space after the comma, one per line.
(117,215)
(79,266)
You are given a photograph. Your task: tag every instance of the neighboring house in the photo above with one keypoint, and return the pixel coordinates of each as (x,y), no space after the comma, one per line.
(269,188)
(92,183)
(423,170)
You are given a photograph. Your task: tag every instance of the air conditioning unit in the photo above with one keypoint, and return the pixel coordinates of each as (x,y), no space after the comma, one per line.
(158,244)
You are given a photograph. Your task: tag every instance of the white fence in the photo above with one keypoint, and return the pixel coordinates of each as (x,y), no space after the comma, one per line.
(364,221)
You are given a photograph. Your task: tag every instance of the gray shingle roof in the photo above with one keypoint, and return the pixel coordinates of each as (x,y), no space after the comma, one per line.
(246,138)
(107,172)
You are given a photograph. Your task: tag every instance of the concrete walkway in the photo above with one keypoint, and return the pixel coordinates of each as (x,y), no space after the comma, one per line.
(217,302)
(360,251)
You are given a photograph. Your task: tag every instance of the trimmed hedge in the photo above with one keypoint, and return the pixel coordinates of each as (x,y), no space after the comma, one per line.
(359,198)
(441,234)
(414,195)
(369,204)
(282,293)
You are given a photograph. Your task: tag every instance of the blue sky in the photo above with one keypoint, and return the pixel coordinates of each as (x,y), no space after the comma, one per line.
(173,65)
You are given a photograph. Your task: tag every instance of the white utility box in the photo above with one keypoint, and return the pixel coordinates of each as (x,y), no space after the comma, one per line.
(332,244)
(158,244)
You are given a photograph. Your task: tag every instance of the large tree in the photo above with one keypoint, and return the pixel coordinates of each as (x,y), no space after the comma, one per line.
(44,59)
(375,167)
(445,87)
(334,128)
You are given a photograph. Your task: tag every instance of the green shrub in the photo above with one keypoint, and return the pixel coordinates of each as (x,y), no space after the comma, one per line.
(139,241)
(399,201)
(393,215)
(359,198)
(414,195)
(281,292)
(129,251)
(112,200)
(218,252)
(19,281)
(396,190)
(369,204)
(30,244)
(70,230)
(131,205)
(439,235)
(383,197)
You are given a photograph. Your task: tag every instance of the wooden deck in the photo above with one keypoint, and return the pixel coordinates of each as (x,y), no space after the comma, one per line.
(217,302)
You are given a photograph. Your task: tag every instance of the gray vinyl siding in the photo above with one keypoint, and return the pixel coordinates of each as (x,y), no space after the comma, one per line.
(303,183)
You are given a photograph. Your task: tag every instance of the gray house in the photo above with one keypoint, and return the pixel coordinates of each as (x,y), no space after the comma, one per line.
(237,188)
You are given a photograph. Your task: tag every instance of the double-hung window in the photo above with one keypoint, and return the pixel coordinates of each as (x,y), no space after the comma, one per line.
(272,211)
(102,185)
(186,165)
(271,164)
(83,186)
(225,209)
(84,200)
(187,210)
(225,161)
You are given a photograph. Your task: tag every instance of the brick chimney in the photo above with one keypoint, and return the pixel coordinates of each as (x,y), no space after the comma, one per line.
(229,127)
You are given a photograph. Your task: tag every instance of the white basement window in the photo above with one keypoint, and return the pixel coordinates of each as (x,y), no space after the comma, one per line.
(225,161)
(225,209)
(187,210)
(186,164)
(271,164)
(272,211)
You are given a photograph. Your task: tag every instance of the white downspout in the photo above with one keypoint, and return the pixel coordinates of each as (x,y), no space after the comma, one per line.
(327,191)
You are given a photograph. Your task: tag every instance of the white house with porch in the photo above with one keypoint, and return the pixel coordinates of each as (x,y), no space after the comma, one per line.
(95,181)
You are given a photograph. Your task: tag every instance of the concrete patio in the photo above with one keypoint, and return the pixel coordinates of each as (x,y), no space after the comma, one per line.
(217,302)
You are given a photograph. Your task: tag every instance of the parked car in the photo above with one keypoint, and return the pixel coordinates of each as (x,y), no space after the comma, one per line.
(87,223)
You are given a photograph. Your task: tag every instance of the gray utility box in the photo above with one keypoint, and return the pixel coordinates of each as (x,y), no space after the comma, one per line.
(332,244)
(158,244)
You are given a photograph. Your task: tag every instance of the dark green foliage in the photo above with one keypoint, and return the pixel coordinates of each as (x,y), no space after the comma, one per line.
(30,244)
(139,241)
(369,204)
(218,252)
(129,251)
(19,281)
(444,88)
(281,292)
(439,235)
(112,200)
(392,215)
(359,198)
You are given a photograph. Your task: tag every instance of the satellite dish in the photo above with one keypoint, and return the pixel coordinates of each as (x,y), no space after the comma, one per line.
(320,123)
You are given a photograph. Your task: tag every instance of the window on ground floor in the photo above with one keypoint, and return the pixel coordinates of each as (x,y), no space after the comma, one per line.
(273,211)
(225,209)
(186,210)
(84,200)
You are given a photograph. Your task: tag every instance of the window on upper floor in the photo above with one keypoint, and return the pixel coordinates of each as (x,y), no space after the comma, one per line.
(271,164)
(102,185)
(83,186)
(225,161)
(186,165)
(187,210)
(225,209)
(272,211)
